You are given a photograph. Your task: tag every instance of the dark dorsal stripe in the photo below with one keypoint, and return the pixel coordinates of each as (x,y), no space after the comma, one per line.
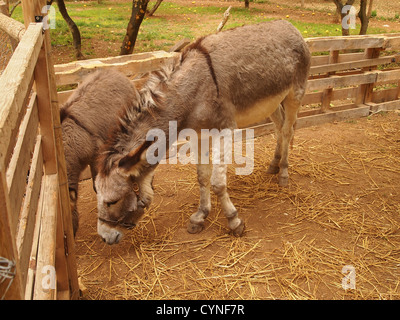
(198,46)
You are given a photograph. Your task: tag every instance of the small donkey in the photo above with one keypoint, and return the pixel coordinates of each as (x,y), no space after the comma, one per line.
(85,120)
(227,80)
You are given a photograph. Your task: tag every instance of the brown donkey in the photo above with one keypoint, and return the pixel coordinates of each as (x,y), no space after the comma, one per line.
(224,81)
(85,120)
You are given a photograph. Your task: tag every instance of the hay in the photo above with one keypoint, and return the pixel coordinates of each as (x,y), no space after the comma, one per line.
(341,209)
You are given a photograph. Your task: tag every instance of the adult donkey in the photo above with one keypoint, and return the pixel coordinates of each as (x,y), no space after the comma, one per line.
(224,81)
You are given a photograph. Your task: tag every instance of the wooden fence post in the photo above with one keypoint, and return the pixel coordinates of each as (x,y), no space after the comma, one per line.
(327,95)
(32,8)
(365,90)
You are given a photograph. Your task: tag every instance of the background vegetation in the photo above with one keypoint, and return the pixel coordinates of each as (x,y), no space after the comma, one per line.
(103,23)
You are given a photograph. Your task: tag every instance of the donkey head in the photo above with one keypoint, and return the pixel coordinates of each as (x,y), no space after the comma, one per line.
(123,192)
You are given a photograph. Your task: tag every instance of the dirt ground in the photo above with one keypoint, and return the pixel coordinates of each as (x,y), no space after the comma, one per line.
(341,213)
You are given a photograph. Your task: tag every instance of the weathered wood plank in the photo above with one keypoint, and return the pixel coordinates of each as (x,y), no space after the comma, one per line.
(385,106)
(345,43)
(30,280)
(45,281)
(179,45)
(385,95)
(26,226)
(327,95)
(45,111)
(18,168)
(385,76)
(71,66)
(339,81)
(75,72)
(13,28)
(392,42)
(343,57)
(14,83)
(354,64)
(7,245)
(318,119)
(337,94)
(313,118)
(67,272)
(365,90)
(14,131)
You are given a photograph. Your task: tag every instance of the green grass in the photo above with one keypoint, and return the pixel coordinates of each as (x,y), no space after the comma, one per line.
(106,23)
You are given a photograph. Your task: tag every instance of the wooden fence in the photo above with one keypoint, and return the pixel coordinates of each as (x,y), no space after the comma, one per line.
(350,77)
(36,239)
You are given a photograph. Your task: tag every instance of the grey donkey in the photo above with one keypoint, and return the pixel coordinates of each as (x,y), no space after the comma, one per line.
(86,117)
(227,80)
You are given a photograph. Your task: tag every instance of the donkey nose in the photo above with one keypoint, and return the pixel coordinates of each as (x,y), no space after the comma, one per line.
(107,233)
(112,237)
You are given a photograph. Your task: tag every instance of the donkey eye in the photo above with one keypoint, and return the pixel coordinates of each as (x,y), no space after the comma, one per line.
(111,203)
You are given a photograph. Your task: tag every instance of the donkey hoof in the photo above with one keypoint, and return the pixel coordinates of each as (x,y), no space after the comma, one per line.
(283,181)
(194,228)
(238,231)
(273,169)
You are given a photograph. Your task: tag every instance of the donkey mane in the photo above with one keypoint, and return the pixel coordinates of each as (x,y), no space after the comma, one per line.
(199,47)
(151,101)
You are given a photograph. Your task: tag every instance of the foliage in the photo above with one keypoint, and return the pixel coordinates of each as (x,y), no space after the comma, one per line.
(105,24)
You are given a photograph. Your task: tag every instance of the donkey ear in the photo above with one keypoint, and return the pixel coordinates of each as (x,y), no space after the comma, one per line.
(128,162)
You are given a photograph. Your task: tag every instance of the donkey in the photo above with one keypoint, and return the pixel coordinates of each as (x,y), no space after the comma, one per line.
(227,80)
(85,120)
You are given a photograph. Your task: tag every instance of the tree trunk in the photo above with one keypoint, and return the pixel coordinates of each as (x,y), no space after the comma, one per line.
(138,11)
(155,7)
(363,17)
(76,36)
(246,3)
(339,8)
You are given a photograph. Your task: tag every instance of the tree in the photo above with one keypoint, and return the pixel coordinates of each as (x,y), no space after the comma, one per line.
(246,3)
(76,35)
(155,7)
(339,9)
(139,8)
(362,14)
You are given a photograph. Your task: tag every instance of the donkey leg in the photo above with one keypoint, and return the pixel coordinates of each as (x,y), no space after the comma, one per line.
(218,183)
(291,107)
(196,223)
(278,118)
